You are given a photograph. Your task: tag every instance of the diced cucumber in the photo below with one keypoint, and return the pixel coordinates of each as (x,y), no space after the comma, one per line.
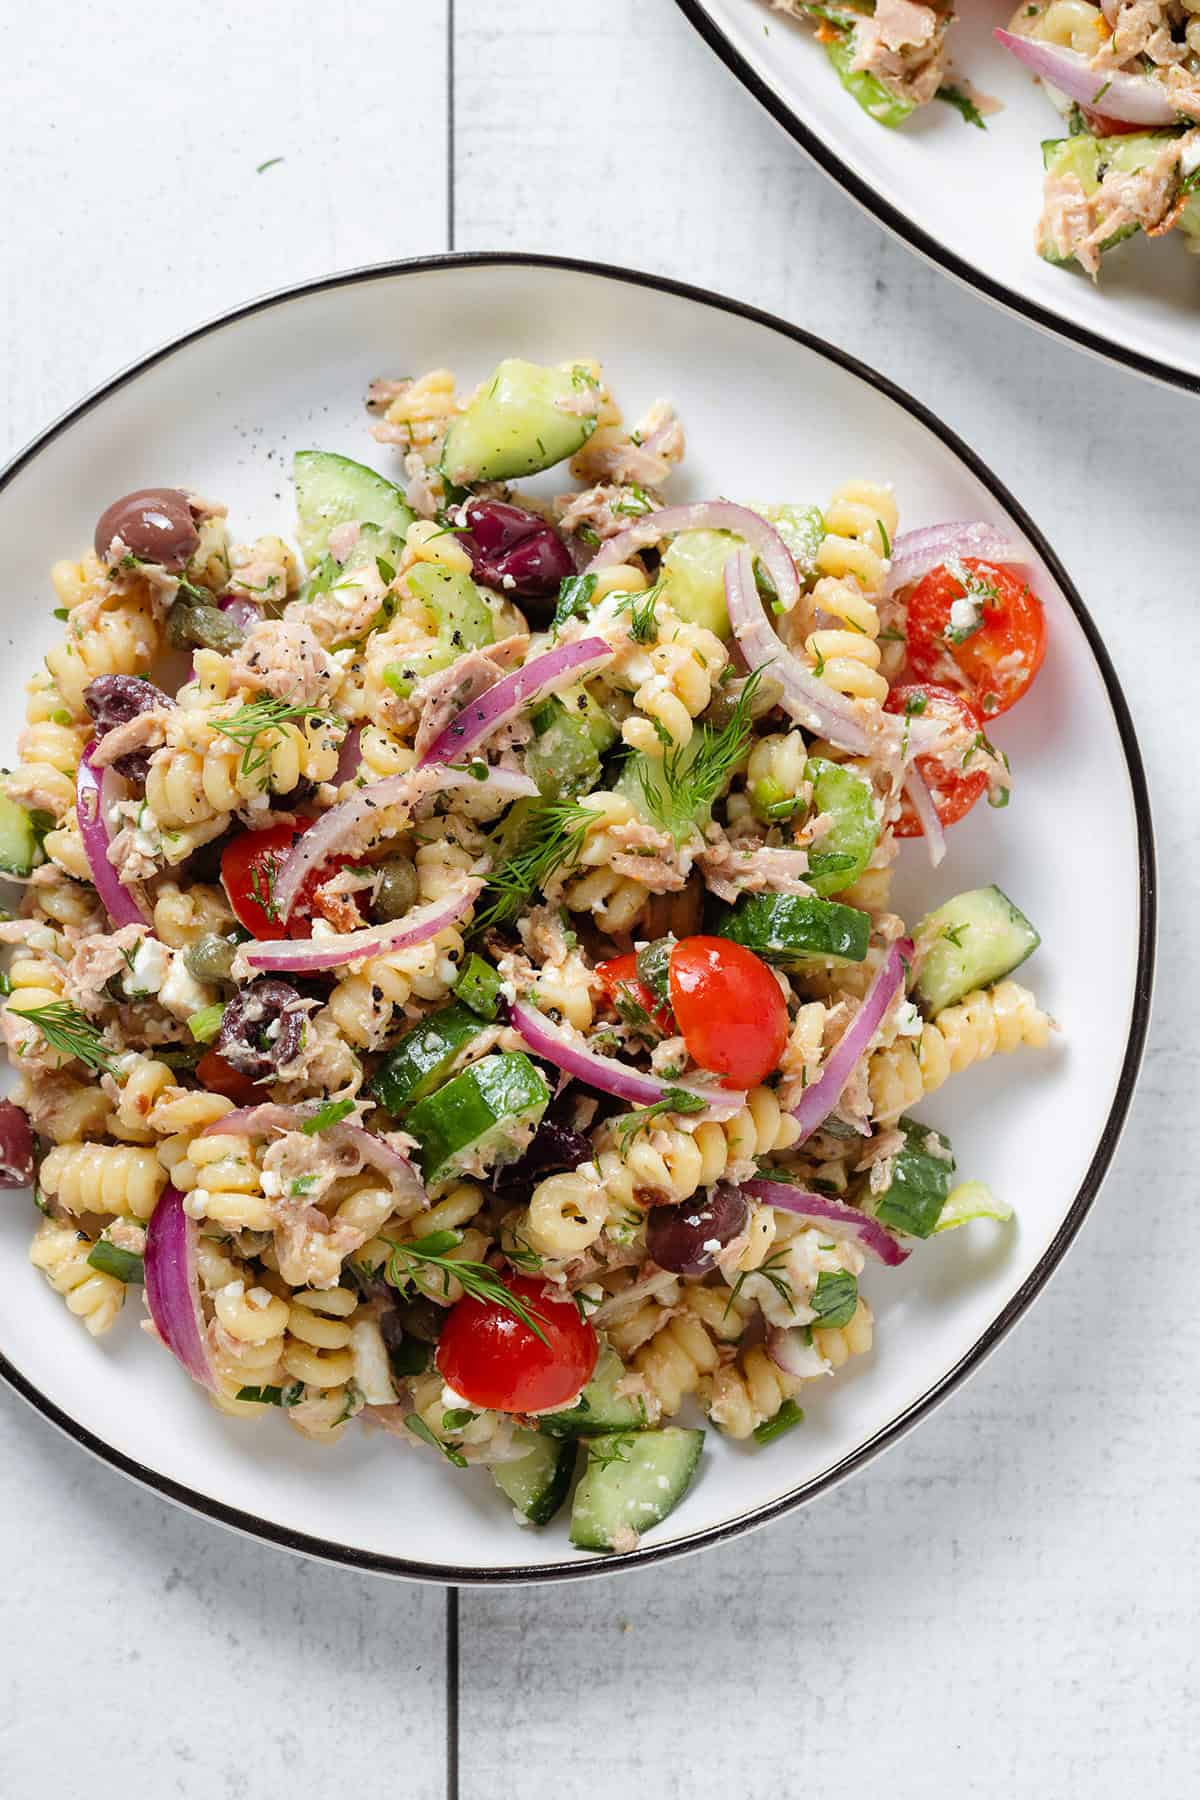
(1090,159)
(464,622)
(420,1060)
(801,528)
(521,420)
(919,1178)
(599,1408)
(478,986)
(631,1482)
(842,854)
(334,490)
(562,758)
(693,577)
(483,1117)
(537,1482)
(973,940)
(877,101)
(639,768)
(18,839)
(794,929)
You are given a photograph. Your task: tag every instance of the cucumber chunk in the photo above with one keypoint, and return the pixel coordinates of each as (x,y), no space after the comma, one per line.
(486,1115)
(877,101)
(537,1482)
(632,1481)
(974,940)
(919,1178)
(793,929)
(842,855)
(802,529)
(464,622)
(419,1062)
(599,1408)
(334,490)
(18,839)
(519,422)
(562,758)
(1089,160)
(693,577)
(478,986)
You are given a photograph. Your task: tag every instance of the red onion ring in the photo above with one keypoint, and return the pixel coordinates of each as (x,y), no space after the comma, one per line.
(1134,99)
(172,1288)
(309,956)
(320,842)
(843,1220)
(349,756)
(805,697)
(514,694)
(819,1100)
(914,553)
(709,515)
(917,789)
(606,1073)
(93,793)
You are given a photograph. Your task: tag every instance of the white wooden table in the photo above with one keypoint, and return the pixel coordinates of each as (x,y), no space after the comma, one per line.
(1006,1604)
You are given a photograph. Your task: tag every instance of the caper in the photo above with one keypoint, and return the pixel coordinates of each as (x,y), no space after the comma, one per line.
(210,958)
(193,625)
(397,888)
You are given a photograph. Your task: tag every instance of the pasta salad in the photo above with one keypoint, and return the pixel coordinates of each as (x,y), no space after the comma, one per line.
(1124,75)
(454,975)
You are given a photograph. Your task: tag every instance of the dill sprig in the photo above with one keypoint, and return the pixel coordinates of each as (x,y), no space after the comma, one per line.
(70,1034)
(256,728)
(693,774)
(770,1271)
(633,1014)
(674,1100)
(552,839)
(643,620)
(475,1278)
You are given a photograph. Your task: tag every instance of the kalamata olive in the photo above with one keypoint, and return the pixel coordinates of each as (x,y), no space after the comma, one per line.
(156,524)
(16,1147)
(210,958)
(686,1238)
(397,888)
(113,700)
(418,1318)
(262,1028)
(515,551)
(554,1147)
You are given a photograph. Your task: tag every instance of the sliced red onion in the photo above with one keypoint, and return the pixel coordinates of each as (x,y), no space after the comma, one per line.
(1134,99)
(805,697)
(819,1100)
(349,756)
(513,694)
(606,1073)
(260,1121)
(916,552)
(244,613)
(93,795)
(791,1349)
(709,515)
(842,1219)
(307,956)
(172,1288)
(917,789)
(324,838)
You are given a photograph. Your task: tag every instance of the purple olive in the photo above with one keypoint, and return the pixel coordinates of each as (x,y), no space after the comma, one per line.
(515,551)
(686,1238)
(554,1147)
(16,1147)
(156,524)
(262,1028)
(113,700)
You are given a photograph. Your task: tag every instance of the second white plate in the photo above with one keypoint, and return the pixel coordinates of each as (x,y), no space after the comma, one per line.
(965,199)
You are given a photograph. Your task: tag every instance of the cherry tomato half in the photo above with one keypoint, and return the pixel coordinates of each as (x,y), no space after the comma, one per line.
(954,789)
(729,1008)
(998,662)
(216,1076)
(492,1359)
(250,865)
(619,974)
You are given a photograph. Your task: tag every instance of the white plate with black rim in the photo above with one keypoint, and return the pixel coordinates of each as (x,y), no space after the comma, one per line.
(221,411)
(969,200)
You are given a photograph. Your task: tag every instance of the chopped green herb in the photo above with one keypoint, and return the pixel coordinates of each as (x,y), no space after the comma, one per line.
(330,1114)
(692,777)
(834,1299)
(419,1428)
(457,1418)
(269,164)
(574,599)
(256,728)
(110,1259)
(552,839)
(70,1034)
(475,1278)
(674,1100)
(962,103)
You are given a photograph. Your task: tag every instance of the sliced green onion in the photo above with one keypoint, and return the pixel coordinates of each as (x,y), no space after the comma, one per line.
(110,1259)
(788,1416)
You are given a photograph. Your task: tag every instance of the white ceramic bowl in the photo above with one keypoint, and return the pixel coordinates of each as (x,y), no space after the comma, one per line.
(965,199)
(769,412)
